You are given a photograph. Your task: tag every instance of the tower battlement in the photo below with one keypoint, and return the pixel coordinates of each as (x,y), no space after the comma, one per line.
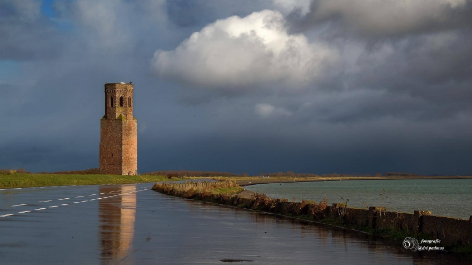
(118,131)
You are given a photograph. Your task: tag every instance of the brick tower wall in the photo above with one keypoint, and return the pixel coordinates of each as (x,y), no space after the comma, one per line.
(110,147)
(118,132)
(130,147)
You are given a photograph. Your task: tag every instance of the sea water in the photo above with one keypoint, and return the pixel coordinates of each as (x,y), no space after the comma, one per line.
(444,197)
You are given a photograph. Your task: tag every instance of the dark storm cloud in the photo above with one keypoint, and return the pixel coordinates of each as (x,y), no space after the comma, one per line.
(25,153)
(39,154)
(320,152)
(26,33)
(432,70)
(360,86)
(8,90)
(431,58)
(385,19)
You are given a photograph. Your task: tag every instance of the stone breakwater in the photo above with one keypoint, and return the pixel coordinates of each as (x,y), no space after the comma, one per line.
(454,234)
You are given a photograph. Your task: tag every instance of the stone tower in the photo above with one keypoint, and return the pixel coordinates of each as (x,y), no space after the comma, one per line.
(119,132)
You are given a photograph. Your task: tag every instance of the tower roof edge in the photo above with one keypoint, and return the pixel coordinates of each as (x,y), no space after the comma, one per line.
(119,85)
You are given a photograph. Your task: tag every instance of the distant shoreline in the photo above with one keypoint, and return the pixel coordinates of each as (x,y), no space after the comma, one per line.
(253,181)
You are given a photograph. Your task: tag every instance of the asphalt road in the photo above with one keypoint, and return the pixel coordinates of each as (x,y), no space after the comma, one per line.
(131,224)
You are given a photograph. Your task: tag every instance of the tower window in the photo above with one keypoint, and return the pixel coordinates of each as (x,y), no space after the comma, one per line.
(121,101)
(129,101)
(111,101)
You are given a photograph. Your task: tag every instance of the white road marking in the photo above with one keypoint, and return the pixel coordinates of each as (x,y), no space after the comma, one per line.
(64,204)
(99,198)
(18,205)
(102,193)
(60,199)
(40,209)
(92,199)
(2,189)
(25,212)
(6,215)
(46,201)
(84,201)
(54,206)
(66,198)
(79,196)
(92,194)
(17,188)
(41,187)
(76,202)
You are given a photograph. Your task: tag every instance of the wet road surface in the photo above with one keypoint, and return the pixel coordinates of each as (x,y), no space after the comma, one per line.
(131,224)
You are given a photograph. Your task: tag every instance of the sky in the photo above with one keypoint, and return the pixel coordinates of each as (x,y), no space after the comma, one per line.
(309,86)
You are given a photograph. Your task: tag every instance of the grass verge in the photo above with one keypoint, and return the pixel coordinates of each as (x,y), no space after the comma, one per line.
(228,191)
(20,180)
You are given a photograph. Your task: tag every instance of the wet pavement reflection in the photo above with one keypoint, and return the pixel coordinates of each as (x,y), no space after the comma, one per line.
(117,217)
(131,224)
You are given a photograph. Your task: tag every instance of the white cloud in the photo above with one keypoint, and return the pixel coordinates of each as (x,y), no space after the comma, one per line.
(245,51)
(265,110)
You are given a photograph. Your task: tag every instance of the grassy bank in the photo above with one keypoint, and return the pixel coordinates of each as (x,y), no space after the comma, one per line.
(193,189)
(20,180)
(375,220)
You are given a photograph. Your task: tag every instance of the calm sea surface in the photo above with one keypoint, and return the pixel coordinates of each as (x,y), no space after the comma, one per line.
(452,197)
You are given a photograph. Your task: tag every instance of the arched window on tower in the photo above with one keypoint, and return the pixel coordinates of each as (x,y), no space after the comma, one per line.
(121,101)
(111,101)
(129,101)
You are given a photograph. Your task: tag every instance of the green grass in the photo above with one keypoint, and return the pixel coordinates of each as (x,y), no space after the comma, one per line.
(19,180)
(229,191)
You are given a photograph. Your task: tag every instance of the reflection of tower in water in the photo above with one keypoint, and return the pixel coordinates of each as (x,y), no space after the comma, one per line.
(117,218)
